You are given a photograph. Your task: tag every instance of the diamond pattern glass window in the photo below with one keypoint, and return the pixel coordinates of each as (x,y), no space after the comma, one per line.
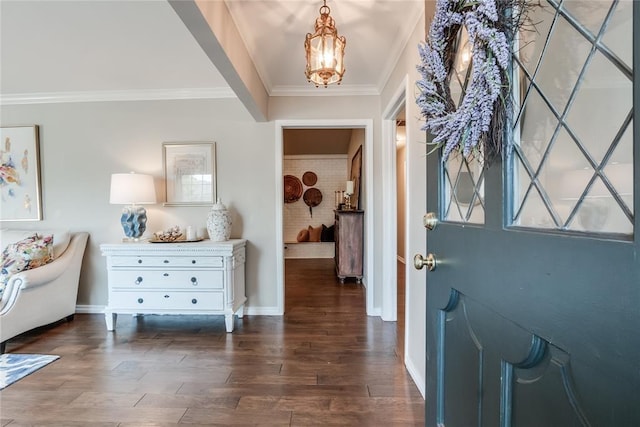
(463,178)
(572,153)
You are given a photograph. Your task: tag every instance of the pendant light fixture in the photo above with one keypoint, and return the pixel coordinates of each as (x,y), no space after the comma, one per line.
(325,51)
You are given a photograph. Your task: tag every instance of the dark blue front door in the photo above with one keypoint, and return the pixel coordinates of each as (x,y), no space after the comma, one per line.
(533,310)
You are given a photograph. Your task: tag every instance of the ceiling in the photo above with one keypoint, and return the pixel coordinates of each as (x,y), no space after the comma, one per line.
(52,48)
(318,141)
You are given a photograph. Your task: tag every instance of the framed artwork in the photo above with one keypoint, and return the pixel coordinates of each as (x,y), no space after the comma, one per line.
(20,188)
(189,173)
(356,174)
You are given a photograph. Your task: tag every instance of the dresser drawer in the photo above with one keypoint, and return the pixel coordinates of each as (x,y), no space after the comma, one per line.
(166,279)
(167,261)
(159,301)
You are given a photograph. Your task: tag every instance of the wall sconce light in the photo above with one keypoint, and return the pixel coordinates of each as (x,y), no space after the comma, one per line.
(132,189)
(324,51)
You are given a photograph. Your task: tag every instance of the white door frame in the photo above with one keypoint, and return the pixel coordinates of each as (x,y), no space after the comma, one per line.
(367,125)
(389,204)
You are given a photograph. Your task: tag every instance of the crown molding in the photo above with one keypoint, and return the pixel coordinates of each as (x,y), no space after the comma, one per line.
(333,90)
(115,95)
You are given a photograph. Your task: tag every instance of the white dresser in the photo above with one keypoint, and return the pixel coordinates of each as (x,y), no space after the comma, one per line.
(176,278)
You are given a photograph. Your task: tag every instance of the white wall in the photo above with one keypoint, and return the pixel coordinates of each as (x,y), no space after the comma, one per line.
(82,144)
(415,351)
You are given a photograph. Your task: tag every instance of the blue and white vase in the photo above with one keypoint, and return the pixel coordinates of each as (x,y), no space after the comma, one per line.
(219,223)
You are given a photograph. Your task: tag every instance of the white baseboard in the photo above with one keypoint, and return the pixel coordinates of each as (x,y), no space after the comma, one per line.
(90,309)
(262,311)
(415,376)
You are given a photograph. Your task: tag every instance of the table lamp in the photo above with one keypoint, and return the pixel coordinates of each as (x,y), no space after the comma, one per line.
(132,189)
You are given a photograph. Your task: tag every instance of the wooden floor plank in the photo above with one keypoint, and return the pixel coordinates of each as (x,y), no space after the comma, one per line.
(325,362)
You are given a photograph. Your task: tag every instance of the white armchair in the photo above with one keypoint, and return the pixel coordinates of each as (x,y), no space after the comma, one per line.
(45,294)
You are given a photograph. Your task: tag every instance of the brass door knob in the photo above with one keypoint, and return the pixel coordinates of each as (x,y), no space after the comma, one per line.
(430,220)
(430,262)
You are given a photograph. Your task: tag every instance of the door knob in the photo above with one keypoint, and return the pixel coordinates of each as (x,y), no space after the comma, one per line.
(430,262)
(430,220)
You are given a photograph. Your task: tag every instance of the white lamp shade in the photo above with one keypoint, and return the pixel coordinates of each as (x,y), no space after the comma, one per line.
(349,187)
(132,188)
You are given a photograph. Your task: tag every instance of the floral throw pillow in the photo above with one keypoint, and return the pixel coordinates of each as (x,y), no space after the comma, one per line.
(31,252)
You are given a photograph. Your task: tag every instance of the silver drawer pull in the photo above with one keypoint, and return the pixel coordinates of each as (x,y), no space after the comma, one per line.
(194,301)
(166,261)
(139,261)
(166,274)
(166,296)
(140,300)
(139,280)
(193,261)
(194,281)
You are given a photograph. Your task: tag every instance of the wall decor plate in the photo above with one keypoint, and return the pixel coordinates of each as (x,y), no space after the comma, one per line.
(292,189)
(312,198)
(309,178)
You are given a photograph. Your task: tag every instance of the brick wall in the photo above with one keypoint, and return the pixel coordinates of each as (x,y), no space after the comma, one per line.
(332,175)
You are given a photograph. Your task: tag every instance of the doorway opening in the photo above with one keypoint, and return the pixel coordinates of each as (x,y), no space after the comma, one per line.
(318,147)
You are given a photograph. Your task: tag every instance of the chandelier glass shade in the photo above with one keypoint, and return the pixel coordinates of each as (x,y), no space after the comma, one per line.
(325,51)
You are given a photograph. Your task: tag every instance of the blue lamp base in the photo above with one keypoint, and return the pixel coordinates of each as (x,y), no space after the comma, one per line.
(134,221)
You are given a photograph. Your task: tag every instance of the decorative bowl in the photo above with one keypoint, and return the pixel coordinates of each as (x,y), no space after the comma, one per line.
(170,235)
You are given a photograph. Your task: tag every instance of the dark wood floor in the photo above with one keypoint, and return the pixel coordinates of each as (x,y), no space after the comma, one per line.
(324,363)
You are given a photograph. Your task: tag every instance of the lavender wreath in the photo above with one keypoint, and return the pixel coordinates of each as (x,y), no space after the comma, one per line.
(478,120)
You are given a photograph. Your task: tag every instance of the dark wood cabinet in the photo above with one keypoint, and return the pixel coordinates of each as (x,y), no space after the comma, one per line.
(349,228)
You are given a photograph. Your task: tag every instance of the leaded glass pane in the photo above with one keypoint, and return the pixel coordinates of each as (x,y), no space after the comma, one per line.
(464,190)
(533,37)
(536,127)
(590,14)
(602,102)
(619,30)
(573,136)
(562,62)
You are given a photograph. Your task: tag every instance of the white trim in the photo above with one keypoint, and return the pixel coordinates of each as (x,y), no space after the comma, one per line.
(115,95)
(262,311)
(90,309)
(389,203)
(367,124)
(415,375)
(279,160)
(332,90)
(315,156)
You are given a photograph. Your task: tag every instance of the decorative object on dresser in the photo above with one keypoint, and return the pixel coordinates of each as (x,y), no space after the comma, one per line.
(348,235)
(20,174)
(182,278)
(189,173)
(219,223)
(132,189)
(167,236)
(347,195)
